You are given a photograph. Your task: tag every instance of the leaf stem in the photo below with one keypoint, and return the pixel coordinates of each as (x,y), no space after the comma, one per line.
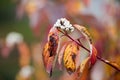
(99,58)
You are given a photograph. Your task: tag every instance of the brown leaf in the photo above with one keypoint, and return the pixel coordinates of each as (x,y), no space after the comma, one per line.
(70,56)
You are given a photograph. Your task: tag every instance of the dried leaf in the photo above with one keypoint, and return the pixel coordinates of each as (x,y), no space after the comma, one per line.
(69,57)
(93,56)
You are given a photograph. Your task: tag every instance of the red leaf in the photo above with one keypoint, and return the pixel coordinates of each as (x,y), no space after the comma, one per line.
(93,56)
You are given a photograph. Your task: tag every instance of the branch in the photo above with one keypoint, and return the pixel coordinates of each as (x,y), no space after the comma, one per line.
(115,66)
(99,58)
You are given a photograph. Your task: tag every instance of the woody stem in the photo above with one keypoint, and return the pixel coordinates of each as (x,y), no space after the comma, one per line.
(99,58)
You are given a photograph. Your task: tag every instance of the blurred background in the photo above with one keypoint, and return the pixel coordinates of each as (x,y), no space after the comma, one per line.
(24,25)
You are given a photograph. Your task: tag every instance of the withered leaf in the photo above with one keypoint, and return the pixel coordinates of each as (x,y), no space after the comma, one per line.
(70,56)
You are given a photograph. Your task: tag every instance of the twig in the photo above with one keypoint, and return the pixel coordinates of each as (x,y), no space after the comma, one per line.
(99,58)
(108,62)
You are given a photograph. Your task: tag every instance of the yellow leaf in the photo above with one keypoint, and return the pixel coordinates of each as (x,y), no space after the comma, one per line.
(69,57)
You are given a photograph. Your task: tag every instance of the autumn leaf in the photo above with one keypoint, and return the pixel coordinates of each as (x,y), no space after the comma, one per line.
(77,55)
(69,57)
(86,39)
(50,50)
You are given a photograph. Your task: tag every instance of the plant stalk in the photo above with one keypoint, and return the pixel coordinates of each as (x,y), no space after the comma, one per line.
(99,58)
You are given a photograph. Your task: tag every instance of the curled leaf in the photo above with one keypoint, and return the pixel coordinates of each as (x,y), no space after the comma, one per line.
(85,43)
(69,57)
(86,40)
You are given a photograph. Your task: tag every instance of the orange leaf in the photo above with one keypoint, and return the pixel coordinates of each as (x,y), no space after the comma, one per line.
(50,50)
